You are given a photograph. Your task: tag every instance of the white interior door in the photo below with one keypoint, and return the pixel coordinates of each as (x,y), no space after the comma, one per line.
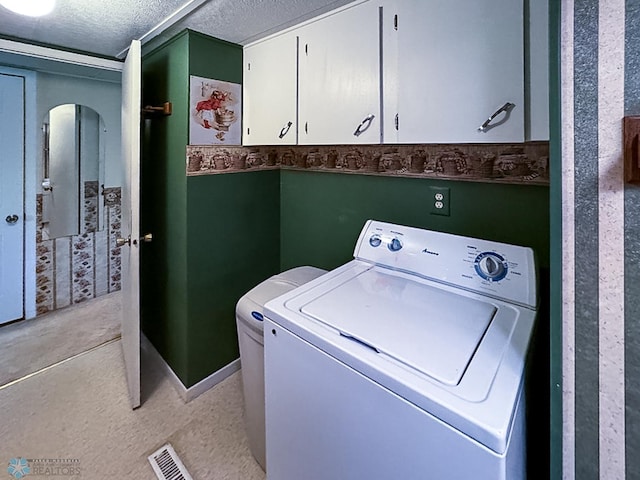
(11,197)
(131,101)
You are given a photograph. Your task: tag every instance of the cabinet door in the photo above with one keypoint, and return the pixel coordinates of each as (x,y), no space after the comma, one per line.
(270,92)
(458,62)
(339,77)
(537,80)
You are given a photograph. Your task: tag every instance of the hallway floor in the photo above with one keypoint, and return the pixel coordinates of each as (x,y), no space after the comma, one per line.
(79,409)
(30,345)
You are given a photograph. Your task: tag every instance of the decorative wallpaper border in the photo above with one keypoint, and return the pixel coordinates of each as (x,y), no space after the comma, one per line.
(526,163)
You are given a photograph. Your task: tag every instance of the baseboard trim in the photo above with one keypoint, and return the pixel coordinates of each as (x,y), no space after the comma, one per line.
(187,394)
(212,380)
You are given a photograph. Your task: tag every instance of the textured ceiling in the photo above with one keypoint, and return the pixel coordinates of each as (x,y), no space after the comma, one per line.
(106,28)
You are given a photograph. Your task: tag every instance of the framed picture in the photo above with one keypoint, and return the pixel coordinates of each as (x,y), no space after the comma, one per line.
(214,112)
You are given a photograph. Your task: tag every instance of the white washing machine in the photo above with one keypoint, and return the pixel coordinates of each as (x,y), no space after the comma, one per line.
(405,363)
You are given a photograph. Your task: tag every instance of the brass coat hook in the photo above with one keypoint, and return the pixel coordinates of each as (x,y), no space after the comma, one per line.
(165,110)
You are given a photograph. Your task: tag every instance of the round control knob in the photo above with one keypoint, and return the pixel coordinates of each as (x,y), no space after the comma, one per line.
(395,245)
(491,266)
(375,240)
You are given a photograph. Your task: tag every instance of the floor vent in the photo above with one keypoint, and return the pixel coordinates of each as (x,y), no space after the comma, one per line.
(167,465)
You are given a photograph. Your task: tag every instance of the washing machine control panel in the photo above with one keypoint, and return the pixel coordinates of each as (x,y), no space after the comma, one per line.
(497,269)
(393,243)
(491,266)
(375,240)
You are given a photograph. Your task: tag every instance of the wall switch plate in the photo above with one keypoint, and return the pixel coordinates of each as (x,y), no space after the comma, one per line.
(439,201)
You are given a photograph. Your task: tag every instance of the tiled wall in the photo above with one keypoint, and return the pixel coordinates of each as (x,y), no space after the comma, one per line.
(90,208)
(504,163)
(80,267)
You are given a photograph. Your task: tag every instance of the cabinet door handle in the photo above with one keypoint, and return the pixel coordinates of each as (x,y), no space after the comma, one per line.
(285,130)
(506,108)
(364,125)
(11,219)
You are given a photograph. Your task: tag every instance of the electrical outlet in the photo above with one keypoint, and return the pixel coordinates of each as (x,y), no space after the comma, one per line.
(439,198)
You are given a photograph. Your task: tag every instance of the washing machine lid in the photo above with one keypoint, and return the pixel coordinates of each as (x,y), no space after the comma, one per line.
(433,331)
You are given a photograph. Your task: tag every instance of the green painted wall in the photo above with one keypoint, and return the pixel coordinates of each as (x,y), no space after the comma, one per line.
(223,211)
(213,58)
(323,213)
(163,263)
(215,236)
(233,245)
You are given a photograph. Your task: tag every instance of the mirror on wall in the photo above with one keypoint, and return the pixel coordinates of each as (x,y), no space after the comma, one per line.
(73,171)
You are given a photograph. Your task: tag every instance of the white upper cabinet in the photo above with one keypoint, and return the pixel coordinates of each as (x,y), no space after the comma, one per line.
(537,86)
(402,71)
(450,65)
(339,77)
(270,91)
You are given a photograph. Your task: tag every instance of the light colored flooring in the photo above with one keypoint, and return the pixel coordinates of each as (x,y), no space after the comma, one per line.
(79,409)
(30,345)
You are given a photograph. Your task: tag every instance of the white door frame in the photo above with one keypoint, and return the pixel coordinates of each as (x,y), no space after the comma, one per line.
(30,186)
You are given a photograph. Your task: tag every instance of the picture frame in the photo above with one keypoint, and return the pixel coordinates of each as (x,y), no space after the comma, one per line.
(215,112)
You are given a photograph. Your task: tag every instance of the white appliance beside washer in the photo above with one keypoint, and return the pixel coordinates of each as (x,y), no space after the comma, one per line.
(405,363)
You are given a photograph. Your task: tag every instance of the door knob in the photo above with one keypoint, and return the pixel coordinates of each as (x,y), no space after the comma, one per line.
(121,242)
(11,219)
